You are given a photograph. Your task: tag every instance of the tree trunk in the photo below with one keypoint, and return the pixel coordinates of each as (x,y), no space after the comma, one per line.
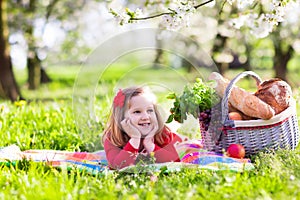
(8,86)
(158,61)
(247,64)
(33,62)
(219,44)
(34,72)
(36,75)
(281,60)
(44,76)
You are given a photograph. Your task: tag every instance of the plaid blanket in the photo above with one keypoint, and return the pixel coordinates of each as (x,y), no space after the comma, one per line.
(95,162)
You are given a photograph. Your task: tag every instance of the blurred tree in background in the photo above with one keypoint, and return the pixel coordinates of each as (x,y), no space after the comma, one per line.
(31,19)
(28,21)
(240,27)
(8,87)
(237,33)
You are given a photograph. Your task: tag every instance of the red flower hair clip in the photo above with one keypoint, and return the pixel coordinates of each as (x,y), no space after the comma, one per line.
(119,99)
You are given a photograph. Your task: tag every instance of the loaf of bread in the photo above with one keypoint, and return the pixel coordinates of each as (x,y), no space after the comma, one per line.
(275,92)
(235,116)
(244,117)
(242,100)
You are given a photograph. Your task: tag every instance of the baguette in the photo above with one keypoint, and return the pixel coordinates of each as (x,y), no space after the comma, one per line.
(242,100)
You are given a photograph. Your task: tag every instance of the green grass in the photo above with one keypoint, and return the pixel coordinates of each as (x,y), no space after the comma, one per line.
(52,125)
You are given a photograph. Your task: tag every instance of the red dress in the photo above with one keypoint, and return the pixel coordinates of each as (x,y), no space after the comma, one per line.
(128,155)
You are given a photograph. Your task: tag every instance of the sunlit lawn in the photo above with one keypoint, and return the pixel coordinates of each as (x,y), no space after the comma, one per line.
(51,125)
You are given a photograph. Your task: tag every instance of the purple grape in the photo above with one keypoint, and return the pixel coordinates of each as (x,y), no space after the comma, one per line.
(203,115)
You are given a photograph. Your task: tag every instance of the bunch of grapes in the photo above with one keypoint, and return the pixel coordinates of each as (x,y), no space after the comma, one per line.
(210,122)
(204,118)
(211,118)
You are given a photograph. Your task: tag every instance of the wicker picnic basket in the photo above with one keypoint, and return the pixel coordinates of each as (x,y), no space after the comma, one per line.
(281,131)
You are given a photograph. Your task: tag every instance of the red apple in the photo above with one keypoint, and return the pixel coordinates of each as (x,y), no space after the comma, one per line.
(236,151)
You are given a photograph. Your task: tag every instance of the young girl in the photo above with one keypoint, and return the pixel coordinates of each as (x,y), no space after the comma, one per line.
(136,131)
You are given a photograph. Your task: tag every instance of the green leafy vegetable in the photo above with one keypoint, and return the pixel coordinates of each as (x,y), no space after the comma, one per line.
(194,100)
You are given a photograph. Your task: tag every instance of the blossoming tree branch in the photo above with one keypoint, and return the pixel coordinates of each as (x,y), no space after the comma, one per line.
(260,17)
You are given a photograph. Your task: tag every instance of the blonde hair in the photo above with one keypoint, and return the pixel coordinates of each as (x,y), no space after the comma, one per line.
(114,132)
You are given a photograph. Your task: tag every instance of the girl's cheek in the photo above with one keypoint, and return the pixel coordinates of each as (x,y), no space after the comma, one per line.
(127,115)
(132,118)
(153,116)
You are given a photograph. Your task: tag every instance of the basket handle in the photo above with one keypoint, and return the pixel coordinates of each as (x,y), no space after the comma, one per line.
(225,117)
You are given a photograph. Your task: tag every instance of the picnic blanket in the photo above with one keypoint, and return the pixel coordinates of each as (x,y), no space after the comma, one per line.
(96,162)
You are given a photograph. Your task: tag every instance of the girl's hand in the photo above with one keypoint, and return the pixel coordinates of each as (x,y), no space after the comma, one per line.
(149,139)
(131,131)
(152,133)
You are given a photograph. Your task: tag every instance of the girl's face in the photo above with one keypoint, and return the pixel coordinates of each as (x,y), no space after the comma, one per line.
(141,113)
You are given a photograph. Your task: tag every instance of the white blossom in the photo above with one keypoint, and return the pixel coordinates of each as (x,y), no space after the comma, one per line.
(181,15)
(261,28)
(242,4)
(292,12)
(138,12)
(261,25)
(122,18)
(230,1)
(177,13)
(238,22)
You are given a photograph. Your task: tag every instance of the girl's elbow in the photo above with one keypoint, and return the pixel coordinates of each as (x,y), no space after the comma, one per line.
(119,164)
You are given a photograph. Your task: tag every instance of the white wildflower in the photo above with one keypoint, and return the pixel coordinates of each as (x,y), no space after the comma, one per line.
(292,177)
(4,109)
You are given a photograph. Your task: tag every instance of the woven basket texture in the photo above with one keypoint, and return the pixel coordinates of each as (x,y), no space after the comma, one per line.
(254,135)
